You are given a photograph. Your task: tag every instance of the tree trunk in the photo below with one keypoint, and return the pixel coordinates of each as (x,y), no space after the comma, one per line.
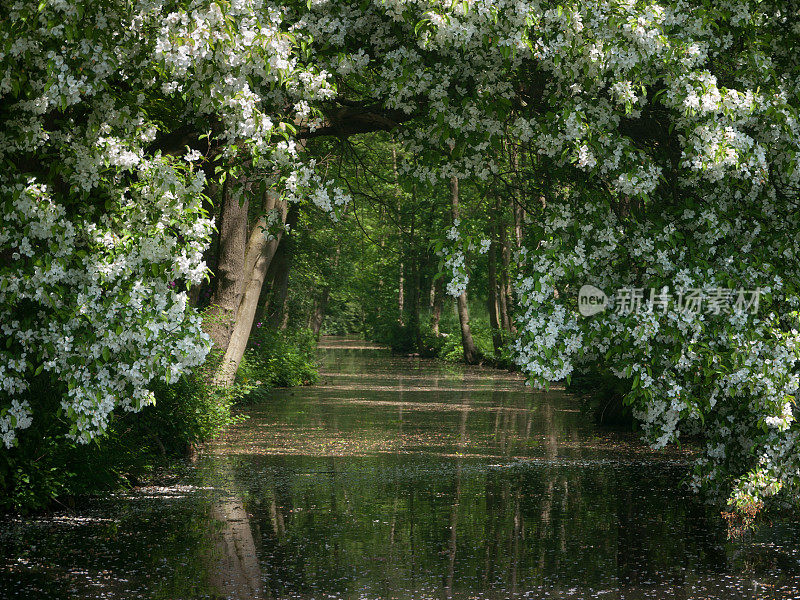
(280,285)
(194,294)
(318,316)
(382,244)
(264,300)
(437,294)
(401,297)
(282,270)
(413,316)
(505,294)
(471,355)
(415,278)
(230,274)
(494,322)
(519,219)
(398,199)
(321,304)
(258,256)
(276,283)
(516,207)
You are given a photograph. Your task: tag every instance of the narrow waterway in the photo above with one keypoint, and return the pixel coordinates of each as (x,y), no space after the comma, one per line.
(403,478)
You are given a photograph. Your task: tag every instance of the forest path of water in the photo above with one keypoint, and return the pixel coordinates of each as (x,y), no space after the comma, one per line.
(399,477)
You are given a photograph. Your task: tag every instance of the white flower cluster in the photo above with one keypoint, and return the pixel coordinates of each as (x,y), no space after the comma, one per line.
(731,376)
(624,93)
(661,175)
(304,182)
(100,236)
(455,259)
(93,303)
(456,266)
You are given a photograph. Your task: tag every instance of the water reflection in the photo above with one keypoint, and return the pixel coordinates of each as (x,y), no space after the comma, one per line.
(401,478)
(233,569)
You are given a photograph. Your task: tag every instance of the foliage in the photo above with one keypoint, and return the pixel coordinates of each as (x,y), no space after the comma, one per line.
(47,466)
(103,220)
(652,144)
(603,396)
(277,359)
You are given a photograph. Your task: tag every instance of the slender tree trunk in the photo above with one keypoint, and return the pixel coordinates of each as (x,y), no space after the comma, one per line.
(282,269)
(413,317)
(519,220)
(285,319)
(516,207)
(401,292)
(265,299)
(318,316)
(415,278)
(321,304)
(280,286)
(204,289)
(273,293)
(401,299)
(382,244)
(471,355)
(258,256)
(437,294)
(230,273)
(505,295)
(194,294)
(494,322)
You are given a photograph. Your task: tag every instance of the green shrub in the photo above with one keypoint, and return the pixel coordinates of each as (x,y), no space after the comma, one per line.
(46,466)
(432,344)
(277,358)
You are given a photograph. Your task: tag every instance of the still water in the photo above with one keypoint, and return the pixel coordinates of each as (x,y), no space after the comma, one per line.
(403,478)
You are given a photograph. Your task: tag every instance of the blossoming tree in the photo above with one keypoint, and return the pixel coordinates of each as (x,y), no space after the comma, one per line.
(662,140)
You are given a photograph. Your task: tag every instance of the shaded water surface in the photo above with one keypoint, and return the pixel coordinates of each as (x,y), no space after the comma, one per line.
(402,478)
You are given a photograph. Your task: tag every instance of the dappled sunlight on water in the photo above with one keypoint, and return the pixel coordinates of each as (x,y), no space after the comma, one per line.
(370,402)
(403,478)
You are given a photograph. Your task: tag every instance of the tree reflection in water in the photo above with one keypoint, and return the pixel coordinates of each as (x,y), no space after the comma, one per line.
(402,478)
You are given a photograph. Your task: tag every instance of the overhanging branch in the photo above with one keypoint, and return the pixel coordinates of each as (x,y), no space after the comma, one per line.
(344,121)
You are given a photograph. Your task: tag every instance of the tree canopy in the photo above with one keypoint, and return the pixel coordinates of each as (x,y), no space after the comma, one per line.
(652,145)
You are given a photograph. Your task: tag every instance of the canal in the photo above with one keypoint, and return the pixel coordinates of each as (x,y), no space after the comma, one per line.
(403,478)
